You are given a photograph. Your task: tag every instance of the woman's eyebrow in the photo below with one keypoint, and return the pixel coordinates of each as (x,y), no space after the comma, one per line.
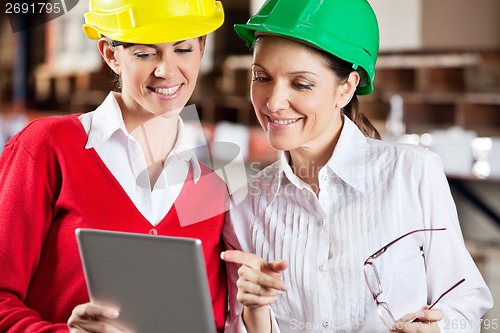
(179,42)
(290,73)
(154,46)
(257,64)
(302,72)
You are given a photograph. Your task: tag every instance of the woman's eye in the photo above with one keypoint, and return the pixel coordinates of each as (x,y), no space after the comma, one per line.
(260,78)
(184,50)
(142,55)
(302,86)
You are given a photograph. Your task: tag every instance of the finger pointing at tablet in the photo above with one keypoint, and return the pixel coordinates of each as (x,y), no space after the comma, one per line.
(259,281)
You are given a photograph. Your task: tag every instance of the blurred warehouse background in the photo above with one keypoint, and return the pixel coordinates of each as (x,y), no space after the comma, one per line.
(437,85)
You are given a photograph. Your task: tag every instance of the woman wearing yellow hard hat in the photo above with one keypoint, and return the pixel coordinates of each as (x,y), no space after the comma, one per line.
(345,233)
(110,168)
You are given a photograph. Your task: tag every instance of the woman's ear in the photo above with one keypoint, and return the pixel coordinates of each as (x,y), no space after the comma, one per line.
(346,90)
(203,42)
(108,53)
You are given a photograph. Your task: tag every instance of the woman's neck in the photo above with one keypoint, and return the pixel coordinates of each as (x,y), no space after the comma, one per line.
(306,161)
(306,165)
(156,135)
(157,138)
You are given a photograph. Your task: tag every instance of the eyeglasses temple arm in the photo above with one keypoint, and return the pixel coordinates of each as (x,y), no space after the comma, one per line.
(442,295)
(383,249)
(447,291)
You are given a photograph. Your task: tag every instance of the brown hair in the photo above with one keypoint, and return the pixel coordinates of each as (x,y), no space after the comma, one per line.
(342,69)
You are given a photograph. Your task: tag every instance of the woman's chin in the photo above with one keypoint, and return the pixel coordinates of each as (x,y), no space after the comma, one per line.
(280,144)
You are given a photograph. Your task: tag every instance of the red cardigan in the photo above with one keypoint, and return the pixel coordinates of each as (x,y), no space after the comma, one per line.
(51,185)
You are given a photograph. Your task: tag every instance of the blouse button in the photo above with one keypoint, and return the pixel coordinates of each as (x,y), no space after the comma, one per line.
(322,268)
(324,177)
(326,323)
(153,232)
(323,223)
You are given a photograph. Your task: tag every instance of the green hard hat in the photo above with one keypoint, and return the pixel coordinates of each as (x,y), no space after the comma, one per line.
(347,29)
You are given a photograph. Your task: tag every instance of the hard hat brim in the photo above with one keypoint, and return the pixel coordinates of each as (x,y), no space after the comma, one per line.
(247,33)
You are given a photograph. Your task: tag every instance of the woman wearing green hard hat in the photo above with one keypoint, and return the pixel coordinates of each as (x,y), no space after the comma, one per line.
(110,169)
(345,233)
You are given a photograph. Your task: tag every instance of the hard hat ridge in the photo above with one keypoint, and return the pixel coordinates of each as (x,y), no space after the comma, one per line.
(346,29)
(152,22)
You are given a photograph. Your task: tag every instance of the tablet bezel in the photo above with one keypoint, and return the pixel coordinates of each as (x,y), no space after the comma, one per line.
(158,283)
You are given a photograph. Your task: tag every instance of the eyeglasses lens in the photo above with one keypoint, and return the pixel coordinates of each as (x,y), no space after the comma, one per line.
(386,315)
(372,279)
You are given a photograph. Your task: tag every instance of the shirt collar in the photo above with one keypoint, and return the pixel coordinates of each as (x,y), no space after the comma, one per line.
(283,173)
(107,119)
(348,162)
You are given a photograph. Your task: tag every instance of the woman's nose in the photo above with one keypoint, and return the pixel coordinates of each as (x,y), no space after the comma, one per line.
(165,68)
(278,98)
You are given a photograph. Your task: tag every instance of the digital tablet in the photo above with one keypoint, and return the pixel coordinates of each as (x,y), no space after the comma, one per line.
(158,283)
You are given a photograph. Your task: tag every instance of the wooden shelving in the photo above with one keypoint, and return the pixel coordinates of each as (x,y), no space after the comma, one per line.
(439,91)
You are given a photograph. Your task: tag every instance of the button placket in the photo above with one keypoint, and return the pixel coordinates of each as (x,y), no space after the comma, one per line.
(323,279)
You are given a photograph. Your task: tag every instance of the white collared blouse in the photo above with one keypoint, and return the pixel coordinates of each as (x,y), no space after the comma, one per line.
(371,192)
(124,157)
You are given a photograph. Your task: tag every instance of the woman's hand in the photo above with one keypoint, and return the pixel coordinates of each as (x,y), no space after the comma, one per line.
(90,317)
(259,284)
(424,321)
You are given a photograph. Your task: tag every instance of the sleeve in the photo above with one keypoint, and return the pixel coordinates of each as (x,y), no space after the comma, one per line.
(447,258)
(236,236)
(25,217)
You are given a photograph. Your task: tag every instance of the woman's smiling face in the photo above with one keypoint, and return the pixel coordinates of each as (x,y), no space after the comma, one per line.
(159,79)
(295,94)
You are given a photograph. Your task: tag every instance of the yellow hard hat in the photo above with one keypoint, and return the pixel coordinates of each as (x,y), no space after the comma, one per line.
(152,21)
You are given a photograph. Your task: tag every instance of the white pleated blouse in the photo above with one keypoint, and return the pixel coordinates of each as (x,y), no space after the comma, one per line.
(371,192)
